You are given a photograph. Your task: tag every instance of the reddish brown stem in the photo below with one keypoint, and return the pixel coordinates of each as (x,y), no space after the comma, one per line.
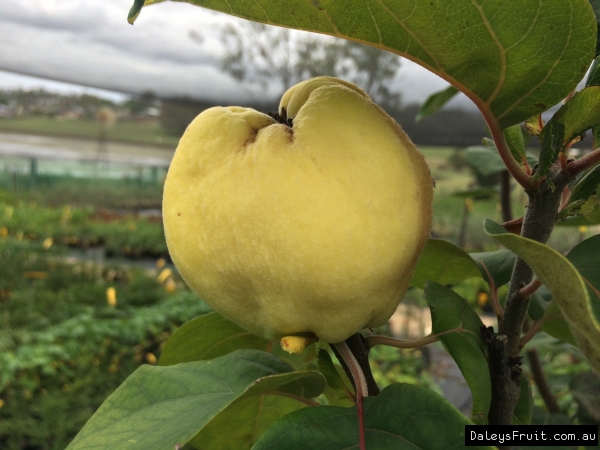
(540,381)
(511,164)
(361,386)
(583,163)
(528,290)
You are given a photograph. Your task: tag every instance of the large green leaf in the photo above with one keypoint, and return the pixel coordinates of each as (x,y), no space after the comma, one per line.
(596,5)
(208,337)
(402,417)
(579,114)
(240,425)
(586,258)
(448,311)
(516,143)
(556,325)
(513,58)
(564,281)
(160,407)
(499,264)
(212,335)
(339,390)
(587,186)
(444,263)
(435,101)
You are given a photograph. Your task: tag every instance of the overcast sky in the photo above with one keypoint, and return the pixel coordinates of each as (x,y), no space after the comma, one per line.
(89,42)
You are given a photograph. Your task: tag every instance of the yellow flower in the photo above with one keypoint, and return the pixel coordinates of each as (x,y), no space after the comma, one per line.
(583,229)
(151,358)
(3,232)
(160,263)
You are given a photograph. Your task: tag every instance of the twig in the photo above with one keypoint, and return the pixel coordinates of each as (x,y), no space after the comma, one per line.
(372,341)
(540,381)
(531,332)
(511,164)
(496,307)
(528,290)
(583,163)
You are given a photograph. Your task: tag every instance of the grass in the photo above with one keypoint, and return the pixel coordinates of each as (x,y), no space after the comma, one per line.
(130,132)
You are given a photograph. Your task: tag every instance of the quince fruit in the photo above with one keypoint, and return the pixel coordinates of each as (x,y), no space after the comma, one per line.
(308,224)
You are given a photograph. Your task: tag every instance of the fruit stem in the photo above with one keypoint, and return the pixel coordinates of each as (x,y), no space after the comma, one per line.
(360,383)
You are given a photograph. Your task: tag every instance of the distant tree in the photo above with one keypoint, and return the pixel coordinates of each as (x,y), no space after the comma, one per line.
(137,104)
(261,55)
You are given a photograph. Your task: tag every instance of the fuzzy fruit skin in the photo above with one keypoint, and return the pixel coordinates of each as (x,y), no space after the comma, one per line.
(313,229)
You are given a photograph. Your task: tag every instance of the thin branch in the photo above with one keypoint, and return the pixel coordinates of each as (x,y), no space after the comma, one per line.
(540,381)
(583,163)
(528,290)
(535,327)
(511,164)
(372,341)
(496,307)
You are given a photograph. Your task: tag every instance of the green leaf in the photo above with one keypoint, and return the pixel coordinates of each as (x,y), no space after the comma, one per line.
(593,78)
(585,388)
(135,10)
(338,386)
(240,425)
(435,102)
(534,125)
(586,258)
(208,337)
(592,218)
(484,160)
(596,5)
(211,336)
(514,138)
(580,208)
(402,417)
(444,263)
(556,325)
(449,311)
(587,186)
(524,407)
(159,407)
(537,306)
(513,58)
(564,281)
(498,263)
(578,115)
(532,160)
